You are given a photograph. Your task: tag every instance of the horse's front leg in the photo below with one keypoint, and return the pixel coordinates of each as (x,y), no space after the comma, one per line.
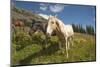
(46,41)
(60,47)
(72,39)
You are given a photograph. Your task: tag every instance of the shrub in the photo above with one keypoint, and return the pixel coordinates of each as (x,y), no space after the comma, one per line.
(21,39)
(38,38)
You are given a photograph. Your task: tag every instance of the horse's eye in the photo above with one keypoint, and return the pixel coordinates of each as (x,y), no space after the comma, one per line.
(52,22)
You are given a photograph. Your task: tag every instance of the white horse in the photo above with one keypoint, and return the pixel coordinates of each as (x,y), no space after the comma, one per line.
(64,32)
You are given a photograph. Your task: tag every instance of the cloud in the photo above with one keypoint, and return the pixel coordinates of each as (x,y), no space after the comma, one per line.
(44,16)
(43,7)
(56,8)
(53,8)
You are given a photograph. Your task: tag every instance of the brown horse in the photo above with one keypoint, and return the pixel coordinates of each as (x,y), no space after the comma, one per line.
(18,23)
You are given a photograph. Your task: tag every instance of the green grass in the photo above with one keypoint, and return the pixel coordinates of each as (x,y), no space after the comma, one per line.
(29,50)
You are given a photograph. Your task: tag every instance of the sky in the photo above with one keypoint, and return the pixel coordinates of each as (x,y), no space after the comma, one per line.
(68,13)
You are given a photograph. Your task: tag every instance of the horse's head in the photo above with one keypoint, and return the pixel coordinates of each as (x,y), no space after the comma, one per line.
(52,25)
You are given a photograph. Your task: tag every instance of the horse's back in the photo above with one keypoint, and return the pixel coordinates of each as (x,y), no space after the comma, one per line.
(39,26)
(18,23)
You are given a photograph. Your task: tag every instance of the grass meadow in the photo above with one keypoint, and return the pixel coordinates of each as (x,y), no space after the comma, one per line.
(29,49)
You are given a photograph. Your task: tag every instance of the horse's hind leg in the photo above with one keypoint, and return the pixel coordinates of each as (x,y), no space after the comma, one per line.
(66,44)
(72,40)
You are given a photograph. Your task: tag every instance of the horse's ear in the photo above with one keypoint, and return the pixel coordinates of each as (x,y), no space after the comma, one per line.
(56,15)
(49,16)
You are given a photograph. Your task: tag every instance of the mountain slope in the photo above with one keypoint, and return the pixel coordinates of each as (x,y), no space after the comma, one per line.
(25,15)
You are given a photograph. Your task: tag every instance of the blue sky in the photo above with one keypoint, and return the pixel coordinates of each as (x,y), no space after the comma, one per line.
(77,14)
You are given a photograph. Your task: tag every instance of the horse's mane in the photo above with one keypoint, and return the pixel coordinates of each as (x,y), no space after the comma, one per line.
(60,24)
